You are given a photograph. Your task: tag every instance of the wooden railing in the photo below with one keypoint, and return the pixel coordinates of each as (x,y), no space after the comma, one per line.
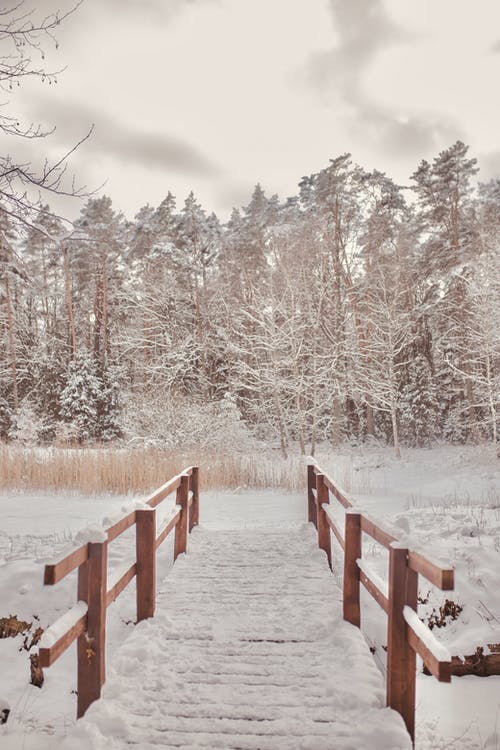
(406,634)
(87,619)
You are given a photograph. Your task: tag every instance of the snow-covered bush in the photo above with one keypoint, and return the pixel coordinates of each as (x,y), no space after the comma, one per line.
(176,421)
(26,425)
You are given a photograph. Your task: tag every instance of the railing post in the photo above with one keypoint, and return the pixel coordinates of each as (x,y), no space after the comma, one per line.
(92,582)
(401,661)
(311,500)
(194,515)
(145,539)
(352,553)
(324,538)
(180,541)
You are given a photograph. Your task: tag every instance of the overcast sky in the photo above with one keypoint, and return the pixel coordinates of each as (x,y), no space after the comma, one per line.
(216,95)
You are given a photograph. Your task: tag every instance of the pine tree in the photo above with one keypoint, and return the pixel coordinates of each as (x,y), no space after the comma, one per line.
(446,215)
(82,399)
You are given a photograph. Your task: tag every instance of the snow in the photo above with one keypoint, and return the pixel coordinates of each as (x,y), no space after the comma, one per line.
(62,625)
(248,649)
(437,649)
(444,502)
(125,510)
(379,582)
(92,534)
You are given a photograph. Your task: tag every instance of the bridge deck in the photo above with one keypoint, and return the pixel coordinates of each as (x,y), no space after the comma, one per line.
(247,651)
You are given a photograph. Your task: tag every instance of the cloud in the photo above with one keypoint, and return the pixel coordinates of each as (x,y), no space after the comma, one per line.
(113,137)
(364,29)
(490,165)
(232,193)
(403,135)
(495,47)
(159,9)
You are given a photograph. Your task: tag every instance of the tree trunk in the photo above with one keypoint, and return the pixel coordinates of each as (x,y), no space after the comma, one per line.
(69,303)
(395,432)
(12,347)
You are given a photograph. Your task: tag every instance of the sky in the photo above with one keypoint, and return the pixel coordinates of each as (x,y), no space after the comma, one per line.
(216,95)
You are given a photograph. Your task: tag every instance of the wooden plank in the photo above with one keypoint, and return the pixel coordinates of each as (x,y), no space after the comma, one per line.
(440,669)
(181,529)
(194,514)
(311,498)
(57,571)
(91,644)
(168,528)
(443,578)
(48,656)
(146,563)
(336,530)
(374,591)
(352,552)
(324,538)
(164,491)
(121,584)
(120,526)
(376,532)
(401,662)
(336,492)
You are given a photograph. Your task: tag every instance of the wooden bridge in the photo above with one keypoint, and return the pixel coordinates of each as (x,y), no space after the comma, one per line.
(248,642)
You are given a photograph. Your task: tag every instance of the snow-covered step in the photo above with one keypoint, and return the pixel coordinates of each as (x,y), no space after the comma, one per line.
(247,651)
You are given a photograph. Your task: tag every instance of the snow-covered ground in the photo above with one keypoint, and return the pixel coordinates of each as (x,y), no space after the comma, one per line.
(446,502)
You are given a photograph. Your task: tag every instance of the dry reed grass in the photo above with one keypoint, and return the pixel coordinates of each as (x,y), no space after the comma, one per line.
(123,471)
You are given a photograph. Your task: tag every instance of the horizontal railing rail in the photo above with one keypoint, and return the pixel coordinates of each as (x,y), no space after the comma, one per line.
(407,635)
(86,621)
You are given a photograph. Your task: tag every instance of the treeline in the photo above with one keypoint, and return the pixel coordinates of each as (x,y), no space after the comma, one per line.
(356,308)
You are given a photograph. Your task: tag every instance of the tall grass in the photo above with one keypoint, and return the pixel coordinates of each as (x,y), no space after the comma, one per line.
(123,471)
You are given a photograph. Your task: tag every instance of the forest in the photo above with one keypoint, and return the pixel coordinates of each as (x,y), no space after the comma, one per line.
(355,309)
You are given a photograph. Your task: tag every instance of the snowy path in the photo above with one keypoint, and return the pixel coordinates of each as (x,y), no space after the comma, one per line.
(247,650)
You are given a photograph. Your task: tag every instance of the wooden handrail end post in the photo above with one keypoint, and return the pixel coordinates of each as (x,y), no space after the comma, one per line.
(311,501)
(92,582)
(194,514)
(401,658)
(324,537)
(181,529)
(146,562)
(352,553)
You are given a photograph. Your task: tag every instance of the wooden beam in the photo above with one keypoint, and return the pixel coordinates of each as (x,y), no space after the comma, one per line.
(57,571)
(311,499)
(181,529)
(380,535)
(164,491)
(333,526)
(374,591)
(401,662)
(352,552)
(443,578)
(324,538)
(115,591)
(337,493)
(440,669)
(194,513)
(146,563)
(168,528)
(91,644)
(48,656)
(120,526)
